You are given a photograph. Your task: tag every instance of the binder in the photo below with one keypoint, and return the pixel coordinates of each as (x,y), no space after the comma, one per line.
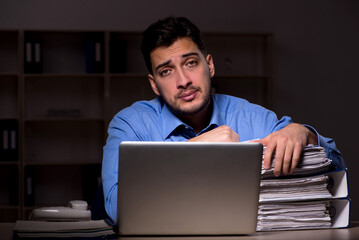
(338,183)
(9,150)
(94,49)
(337,187)
(340,212)
(33,62)
(339,202)
(29,194)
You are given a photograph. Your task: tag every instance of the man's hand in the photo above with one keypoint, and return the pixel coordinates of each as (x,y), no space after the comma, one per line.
(288,144)
(220,134)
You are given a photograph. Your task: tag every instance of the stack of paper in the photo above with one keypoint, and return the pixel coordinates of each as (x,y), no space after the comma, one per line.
(43,229)
(302,200)
(298,215)
(294,189)
(313,161)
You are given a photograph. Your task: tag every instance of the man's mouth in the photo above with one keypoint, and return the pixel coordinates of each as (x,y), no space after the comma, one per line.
(188,96)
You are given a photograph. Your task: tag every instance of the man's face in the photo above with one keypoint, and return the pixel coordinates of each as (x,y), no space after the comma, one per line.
(182,76)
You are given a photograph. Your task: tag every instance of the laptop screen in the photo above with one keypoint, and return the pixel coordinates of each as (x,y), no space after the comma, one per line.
(182,188)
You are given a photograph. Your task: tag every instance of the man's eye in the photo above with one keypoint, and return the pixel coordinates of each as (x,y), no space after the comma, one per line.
(192,63)
(164,72)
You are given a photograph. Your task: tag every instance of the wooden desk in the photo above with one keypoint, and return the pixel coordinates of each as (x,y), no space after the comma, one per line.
(351,233)
(6,230)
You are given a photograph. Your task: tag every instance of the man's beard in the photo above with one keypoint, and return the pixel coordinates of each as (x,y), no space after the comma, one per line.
(178,111)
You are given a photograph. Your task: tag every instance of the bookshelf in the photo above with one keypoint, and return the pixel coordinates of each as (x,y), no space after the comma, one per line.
(9,123)
(60,89)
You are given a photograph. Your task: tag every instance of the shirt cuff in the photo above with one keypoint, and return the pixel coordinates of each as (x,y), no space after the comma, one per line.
(321,142)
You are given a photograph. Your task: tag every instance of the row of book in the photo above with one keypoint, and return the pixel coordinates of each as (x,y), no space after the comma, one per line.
(9,140)
(312,197)
(94,56)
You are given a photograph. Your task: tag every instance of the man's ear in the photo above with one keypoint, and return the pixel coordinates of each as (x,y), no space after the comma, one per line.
(153,84)
(210,64)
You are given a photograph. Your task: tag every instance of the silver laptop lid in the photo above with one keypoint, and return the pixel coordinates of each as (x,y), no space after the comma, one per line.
(181,188)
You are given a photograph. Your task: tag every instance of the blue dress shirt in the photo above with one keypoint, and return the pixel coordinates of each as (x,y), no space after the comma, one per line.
(153,121)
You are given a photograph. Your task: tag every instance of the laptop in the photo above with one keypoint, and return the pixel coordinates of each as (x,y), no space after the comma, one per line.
(182,188)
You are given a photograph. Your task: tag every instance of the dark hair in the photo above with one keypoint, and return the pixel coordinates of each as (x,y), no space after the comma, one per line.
(165,32)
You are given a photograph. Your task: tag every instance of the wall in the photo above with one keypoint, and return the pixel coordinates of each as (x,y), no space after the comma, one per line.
(316,49)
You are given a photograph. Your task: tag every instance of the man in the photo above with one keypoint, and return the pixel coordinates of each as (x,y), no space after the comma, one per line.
(180,72)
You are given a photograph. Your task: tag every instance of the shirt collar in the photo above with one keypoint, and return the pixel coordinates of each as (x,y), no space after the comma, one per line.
(171,122)
(216,118)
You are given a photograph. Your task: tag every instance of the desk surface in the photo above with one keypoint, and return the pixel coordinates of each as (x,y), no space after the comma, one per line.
(350,233)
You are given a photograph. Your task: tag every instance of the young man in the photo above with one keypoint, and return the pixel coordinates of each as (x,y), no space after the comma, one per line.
(180,72)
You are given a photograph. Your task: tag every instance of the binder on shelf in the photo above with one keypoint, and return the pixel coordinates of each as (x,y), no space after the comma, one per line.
(33,62)
(118,56)
(94,56)
(9,150)
(29,194)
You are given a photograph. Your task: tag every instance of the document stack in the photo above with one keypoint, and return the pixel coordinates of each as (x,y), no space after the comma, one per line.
(98,229)
(311,197)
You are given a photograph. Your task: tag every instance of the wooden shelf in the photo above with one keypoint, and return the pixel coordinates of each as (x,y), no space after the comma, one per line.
(79,162)
(64,75)
(62,119)
(63,87)
(9,74)
(9,162)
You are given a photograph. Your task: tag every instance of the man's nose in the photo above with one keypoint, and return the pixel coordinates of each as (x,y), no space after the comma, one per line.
(183,80)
